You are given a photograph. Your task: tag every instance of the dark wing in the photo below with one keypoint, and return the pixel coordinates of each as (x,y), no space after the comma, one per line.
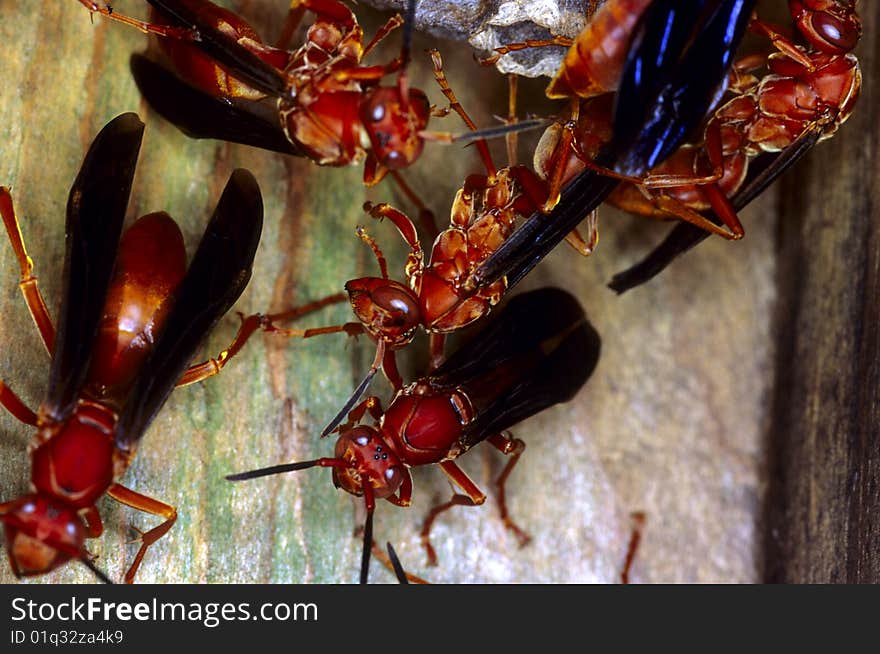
(680,239)
(684,236)
(673,76)
(203,116)
(656,44)
(95,213)
(399,572)
(218,274)
(676,67)
(539,350)
(241,62)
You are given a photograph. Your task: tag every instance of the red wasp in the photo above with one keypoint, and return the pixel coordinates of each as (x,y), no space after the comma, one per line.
(805,92)
(131,319)
(328,106)
(805,97)
(521,364)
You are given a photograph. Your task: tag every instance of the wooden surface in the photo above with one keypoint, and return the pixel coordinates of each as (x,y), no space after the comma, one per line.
(825,464)
(676,421)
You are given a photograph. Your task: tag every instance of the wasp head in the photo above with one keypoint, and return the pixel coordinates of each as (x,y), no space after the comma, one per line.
(41,534)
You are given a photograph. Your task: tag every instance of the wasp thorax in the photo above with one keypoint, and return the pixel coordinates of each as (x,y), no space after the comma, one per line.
(369,460)
(41,535)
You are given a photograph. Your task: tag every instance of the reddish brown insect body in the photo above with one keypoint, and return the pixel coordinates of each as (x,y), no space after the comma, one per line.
(202,71)
(420,427)
(831,26)
(75,460)
(131,319)
(595,58)
(785,106)
(330,107)
(483,215)
(390,311)
(521,364)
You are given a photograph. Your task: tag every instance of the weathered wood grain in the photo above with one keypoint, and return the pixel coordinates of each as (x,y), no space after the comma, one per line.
(824,501)
(673,422)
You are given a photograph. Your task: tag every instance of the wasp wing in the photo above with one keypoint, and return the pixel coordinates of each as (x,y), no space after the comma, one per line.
(684,236)
(657,42)
(675,73)
(95,213)
(203,116)
(540,233)
(219,272)
(226,51)
(538,351)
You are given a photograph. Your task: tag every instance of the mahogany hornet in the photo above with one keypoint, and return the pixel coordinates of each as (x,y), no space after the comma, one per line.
(538,351)
(222,81)
(806,95)
(804,92)
(132,317)
(803,99)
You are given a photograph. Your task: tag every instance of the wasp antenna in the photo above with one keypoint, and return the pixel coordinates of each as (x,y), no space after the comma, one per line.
(278,469)
(349,405)
(486,132)
(359,391)
(503,130)
(95,570)
(395,563)
(409,20)
(368,544)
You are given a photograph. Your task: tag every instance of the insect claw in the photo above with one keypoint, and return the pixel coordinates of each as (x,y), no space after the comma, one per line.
(138,539)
